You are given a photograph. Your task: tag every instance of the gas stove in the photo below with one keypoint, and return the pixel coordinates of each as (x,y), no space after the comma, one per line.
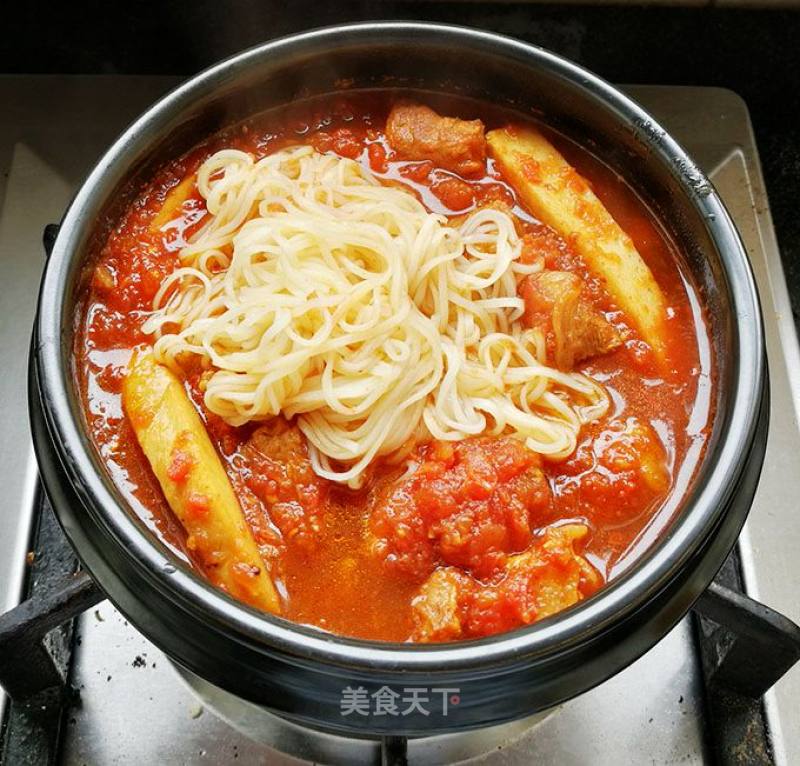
(677,703)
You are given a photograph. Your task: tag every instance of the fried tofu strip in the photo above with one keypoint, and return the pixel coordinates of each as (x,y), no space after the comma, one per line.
(557,195)
(174,439)
(176,197)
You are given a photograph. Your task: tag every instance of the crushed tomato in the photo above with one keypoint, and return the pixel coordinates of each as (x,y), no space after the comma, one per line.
(468,504)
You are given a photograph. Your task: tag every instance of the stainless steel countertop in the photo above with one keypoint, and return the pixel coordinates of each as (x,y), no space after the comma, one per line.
(139,711)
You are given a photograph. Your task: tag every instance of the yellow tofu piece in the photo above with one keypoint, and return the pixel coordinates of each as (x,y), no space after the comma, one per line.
(195,484)
(557,195)
(175,198)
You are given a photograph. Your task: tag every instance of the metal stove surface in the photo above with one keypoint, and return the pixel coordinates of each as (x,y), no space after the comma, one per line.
(135,709)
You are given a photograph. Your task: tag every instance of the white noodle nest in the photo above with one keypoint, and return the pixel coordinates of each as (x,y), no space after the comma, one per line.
(315,291)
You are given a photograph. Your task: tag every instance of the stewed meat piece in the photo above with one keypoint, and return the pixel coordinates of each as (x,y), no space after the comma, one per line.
(278,471)
(576,330)
(543,580)
(440,609)
(416,132)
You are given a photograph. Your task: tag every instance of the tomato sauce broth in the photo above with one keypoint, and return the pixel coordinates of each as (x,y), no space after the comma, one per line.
(338,585)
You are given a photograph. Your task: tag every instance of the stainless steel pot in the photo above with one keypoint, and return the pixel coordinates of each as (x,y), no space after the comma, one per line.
(301,672)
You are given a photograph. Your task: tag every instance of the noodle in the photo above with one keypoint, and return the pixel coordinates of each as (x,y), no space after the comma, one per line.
(315,291)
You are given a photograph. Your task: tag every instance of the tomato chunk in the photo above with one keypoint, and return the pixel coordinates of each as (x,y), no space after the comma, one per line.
(469,504)
(180,464)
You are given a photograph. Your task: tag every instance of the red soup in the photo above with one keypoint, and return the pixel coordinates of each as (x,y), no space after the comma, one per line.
(397,367)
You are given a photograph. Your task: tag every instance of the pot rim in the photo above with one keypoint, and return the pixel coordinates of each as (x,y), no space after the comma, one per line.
(686,534)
